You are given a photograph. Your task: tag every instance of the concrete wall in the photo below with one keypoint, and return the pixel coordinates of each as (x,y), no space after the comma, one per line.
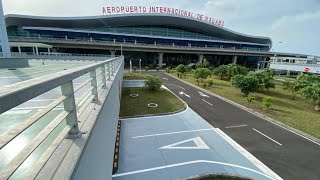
(13,62)
(97,159)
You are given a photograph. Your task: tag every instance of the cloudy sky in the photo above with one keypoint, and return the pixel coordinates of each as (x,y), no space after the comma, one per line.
(296,23)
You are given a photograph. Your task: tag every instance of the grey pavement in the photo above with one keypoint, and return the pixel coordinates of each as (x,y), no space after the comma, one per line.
(286,153)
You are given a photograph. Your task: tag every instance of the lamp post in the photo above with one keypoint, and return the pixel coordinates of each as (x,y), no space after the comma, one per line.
(140,65)
(121,49)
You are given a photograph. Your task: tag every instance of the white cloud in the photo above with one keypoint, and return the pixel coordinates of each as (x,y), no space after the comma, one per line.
(295,19)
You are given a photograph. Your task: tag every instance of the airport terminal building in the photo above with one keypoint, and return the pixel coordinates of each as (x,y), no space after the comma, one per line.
(156,38)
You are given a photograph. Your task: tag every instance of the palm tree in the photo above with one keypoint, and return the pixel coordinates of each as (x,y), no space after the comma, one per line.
(312,92)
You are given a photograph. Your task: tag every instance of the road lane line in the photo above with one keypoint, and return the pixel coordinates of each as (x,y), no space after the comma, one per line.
(248,155)
(177,132)
(267,137)
(229,127)
(189,163)
(207,102)
(174,85)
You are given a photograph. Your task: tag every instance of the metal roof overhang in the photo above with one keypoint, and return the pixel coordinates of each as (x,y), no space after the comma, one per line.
(133,20)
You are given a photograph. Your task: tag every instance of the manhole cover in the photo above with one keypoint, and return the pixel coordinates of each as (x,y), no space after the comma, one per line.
(152,105)
(134,95)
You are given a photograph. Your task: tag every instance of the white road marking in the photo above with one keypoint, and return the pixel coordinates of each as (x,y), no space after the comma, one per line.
(207,102)
(197,141)
(165,79)
(182,93)
(249,156)
(13,112)
(188,163)
(267,137)
(229,127)
(174,85)
(202,94)
(177,132)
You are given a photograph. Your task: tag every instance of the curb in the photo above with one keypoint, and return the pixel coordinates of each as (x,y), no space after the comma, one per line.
(117,150)
(160,114)
(258,114)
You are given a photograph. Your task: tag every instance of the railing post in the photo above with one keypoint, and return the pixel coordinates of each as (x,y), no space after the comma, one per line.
(103,75)
(109,71)
(94,91)
(112,68)
(70,106)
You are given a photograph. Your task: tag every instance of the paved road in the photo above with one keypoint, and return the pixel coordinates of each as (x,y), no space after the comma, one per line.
(287,154)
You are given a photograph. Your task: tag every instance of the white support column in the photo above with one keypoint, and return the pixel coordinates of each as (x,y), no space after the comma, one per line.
(113,53)
(3,34)
(160,59)
(19,50)
(37,51)
(69,105)
(200,58)
(34,52)
(90,39)
(234,59)
(94,91)
(48,51)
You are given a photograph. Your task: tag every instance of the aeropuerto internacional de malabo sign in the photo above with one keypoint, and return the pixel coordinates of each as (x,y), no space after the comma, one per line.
(109,10)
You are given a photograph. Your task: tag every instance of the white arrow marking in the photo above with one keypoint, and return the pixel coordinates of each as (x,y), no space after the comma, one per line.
(182,93)
(199,144)
(165,78)
(202,94)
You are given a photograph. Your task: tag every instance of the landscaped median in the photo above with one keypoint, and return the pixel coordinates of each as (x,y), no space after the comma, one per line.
(138,106)
(298,113)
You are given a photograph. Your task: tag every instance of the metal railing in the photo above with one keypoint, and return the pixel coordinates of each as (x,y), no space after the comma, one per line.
(16,94)
(136,43)
(28,54)
(295,64)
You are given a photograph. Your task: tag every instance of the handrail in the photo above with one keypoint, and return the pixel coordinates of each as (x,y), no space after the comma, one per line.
(29,89)
(19,93)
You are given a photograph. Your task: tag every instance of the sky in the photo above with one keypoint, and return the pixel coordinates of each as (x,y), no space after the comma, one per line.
(293,25)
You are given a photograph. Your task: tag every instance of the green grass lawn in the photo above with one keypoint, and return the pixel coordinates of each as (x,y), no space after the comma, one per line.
(298,113)
(167,102)
(134,76)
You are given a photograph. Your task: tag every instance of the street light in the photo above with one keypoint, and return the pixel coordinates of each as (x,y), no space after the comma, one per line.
(140,65)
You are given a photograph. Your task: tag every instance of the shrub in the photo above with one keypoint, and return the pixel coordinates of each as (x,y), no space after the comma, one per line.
(246,84)
(204,85)
(210,82)
(168,70)
(134,68)
(250,99)
(266,102)
(181,68)
(198,81)
(202,73)
(221,71)
(146,68)
(153,83)
(179,74)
